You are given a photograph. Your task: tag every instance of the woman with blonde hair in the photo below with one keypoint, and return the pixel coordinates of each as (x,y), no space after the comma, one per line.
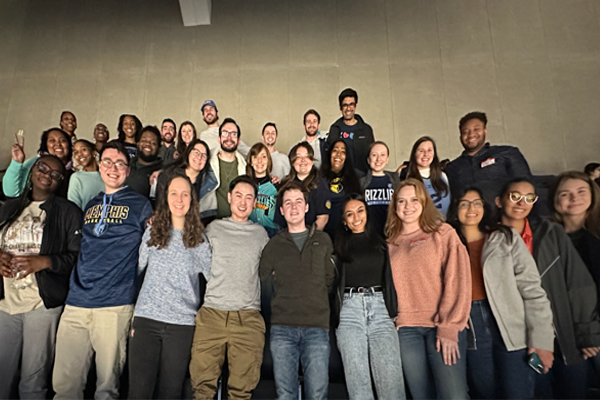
(432,277)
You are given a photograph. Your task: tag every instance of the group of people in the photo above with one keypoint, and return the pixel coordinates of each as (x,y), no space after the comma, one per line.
(158,247)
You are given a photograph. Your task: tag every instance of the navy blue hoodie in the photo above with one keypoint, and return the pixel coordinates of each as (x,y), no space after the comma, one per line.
(105,275)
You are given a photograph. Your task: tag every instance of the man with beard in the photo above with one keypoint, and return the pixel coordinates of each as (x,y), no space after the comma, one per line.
(227,163)
(146,162)
(488,167)
(353,130)
(280,161)
(312,122)
(168,131)
(210,115)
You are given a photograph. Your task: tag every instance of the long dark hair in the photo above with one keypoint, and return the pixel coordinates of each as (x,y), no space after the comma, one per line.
(435,169)
(138,128)
(343,234)
(161,226)
(25,197)
(488,223)
(43,149)
(348,175)
(310,182)
(181,146)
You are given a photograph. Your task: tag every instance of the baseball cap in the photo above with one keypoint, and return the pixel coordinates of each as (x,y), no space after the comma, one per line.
(208,103)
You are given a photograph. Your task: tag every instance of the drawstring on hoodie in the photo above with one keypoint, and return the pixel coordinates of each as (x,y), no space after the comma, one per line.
(100,227)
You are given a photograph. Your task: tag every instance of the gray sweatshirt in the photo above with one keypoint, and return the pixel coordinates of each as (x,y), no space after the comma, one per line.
(234,283)
(170,290)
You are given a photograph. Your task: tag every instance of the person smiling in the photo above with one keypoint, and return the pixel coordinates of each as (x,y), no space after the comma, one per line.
(146,162)
(379,185)
(39,239)
(168,132)
(175,251)
(227,163)
(365,306)
(337,169)
(130,129)
(194,164)
(299,257)
(424,165)
(101,136)
(432,277)
(481,164)
(230,320)
(280,162)
(511,316)
(303,170)
(103,286)
(87,183)
(566,279)
(54,141)
(68,123)
(258,166)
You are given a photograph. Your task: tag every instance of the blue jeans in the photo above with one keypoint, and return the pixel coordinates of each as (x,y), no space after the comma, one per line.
(367,338)
(493,371)
(293,345)
(426,374)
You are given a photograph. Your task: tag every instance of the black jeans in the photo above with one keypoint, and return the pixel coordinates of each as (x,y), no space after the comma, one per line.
(159,357)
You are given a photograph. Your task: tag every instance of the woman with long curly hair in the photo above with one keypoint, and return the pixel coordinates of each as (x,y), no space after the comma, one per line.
(130,130)
(175,251)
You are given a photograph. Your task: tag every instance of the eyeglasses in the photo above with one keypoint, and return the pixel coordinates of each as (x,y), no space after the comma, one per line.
(231,134)
(108,164)
(466,204)
(198,153)
(349,105)
(516,197)
(45,169)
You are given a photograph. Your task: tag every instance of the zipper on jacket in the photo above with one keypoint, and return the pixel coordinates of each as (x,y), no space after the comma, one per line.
(550,266)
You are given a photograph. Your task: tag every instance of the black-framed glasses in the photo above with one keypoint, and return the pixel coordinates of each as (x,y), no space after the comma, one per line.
(108,164)
(231,134)
(45,169)
(516,197)
(466,204)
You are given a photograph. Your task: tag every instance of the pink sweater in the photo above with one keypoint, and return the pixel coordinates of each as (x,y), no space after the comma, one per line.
(432,276)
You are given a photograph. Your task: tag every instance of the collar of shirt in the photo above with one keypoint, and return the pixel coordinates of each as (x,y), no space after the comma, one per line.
(528,236)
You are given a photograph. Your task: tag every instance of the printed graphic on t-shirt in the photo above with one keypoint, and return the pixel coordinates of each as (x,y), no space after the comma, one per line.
(347,135)
(24,236)
(115,214)
(379,196)
(336,185)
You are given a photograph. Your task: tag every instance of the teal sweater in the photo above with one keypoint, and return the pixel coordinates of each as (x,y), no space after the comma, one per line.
(15,177)
(84,186)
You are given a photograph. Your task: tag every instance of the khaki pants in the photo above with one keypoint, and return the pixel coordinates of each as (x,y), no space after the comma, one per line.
(242,335)
(81,333)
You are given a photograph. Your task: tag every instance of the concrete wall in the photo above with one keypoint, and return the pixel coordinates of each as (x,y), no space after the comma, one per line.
(418,66)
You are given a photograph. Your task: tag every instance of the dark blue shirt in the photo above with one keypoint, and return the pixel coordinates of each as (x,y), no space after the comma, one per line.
(489,170)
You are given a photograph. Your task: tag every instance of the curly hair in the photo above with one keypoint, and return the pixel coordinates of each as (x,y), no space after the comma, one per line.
(193,229)
(138,127)
(43,149)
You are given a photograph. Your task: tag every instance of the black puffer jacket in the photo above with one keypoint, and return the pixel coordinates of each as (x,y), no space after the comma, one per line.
(61,241)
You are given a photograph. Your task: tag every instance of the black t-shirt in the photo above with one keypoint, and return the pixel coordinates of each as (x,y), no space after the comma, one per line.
(337,191)
(378,196)
(366,268)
